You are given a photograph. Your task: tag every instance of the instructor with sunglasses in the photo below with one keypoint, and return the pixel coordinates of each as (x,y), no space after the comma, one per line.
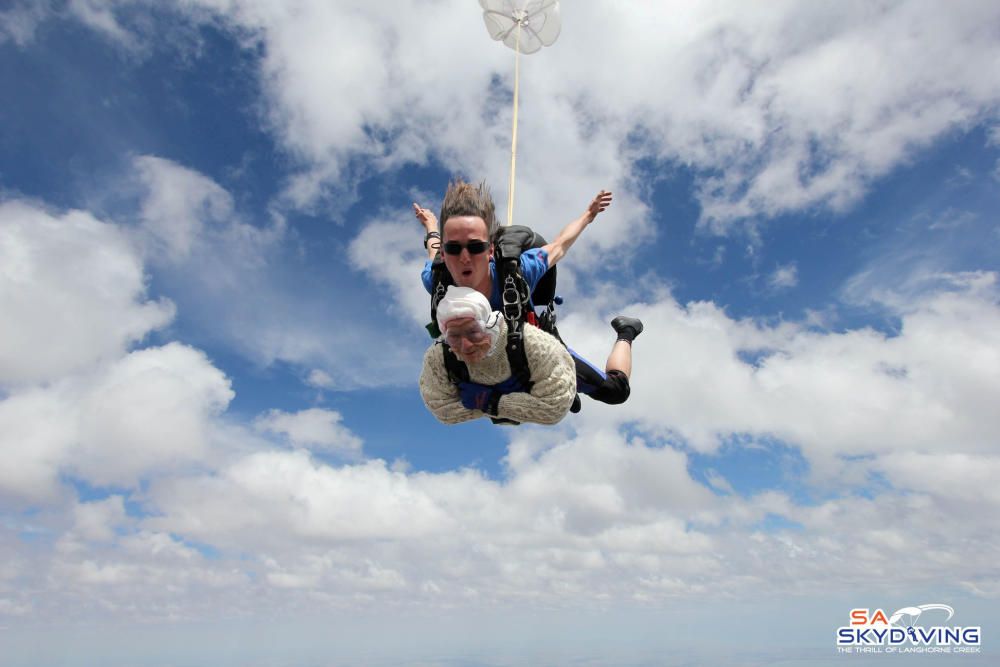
(468,225)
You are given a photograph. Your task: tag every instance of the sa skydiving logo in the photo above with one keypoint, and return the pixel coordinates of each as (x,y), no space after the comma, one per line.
(900,633)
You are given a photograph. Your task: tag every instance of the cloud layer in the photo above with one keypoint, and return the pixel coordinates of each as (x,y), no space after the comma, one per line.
(777,110)
(607,507)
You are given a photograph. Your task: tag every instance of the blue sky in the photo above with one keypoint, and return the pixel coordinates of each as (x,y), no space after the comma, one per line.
(212,331)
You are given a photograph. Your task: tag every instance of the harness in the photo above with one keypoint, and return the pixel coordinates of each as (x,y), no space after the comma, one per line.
(517,309)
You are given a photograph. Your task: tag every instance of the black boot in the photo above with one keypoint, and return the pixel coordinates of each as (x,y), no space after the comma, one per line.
(627,327)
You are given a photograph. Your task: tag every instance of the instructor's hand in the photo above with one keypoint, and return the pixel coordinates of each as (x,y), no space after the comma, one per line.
(426,217)
(601,202)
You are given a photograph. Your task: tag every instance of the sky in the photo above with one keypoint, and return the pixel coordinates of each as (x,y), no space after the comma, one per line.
(211,328)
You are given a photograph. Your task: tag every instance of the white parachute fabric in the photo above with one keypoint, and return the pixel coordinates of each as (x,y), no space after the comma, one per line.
(538,21)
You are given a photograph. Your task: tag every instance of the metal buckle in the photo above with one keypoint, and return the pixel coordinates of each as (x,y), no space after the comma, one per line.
(511,299)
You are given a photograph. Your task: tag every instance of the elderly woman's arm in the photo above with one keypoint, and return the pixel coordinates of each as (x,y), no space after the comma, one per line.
(440,396)
(553,375)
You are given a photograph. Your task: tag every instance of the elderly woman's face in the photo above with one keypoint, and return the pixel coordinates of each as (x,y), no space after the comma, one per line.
(467,339)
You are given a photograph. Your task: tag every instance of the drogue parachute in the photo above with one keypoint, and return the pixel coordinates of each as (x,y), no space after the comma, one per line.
(525,26)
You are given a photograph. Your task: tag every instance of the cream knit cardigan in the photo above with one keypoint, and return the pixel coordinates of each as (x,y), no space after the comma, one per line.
(553,375)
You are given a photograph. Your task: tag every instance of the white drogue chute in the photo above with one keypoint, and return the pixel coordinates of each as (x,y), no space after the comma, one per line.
(525,26)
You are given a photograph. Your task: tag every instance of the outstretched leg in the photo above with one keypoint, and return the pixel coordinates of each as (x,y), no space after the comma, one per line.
(611,386)
(620,358)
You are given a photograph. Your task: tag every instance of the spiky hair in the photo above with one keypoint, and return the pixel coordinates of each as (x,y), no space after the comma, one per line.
(466,199)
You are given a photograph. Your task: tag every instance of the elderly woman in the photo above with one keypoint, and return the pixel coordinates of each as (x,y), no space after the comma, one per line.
(477,336)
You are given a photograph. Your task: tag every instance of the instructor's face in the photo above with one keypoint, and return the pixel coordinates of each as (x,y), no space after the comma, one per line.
(468,269)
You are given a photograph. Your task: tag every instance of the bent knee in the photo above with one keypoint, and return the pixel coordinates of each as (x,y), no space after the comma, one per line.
(616,389)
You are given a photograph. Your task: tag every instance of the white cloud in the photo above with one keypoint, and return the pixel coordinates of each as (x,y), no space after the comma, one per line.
(833,394)
(179,205)
(18,23)
(319,379)
(315,428)
(388,252)
(951,477)
(36,433)
(771,97)
(97,521)
(566,520)
(784,277)
(99,15)
(768,105)
(148,413)
(582,519)
(246,281)
(582,512)
(72,291)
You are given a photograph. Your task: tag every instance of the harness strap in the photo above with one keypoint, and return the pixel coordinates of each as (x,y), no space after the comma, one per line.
(517,357)
(457,370)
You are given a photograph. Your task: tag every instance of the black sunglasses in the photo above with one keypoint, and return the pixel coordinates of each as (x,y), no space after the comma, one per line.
(474,247)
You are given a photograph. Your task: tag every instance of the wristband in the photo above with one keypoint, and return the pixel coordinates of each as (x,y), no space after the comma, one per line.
(431,235)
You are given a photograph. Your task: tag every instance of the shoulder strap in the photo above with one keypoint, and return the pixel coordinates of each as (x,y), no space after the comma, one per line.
(440,280)
(516,306)
(457,370)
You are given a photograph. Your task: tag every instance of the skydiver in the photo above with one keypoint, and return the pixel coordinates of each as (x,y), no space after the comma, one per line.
(477,334)
(468,226)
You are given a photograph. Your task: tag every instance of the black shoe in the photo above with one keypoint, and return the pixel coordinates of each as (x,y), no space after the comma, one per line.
(627,327)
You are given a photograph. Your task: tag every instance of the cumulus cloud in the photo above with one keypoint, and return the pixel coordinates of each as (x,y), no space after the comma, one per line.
(98,521)
(859,392)
(73,293)
(149,412)
(951,477)
(314,428)
(558,526)
(582,518)
(386,252)
(736,97)
(583,512)
(179,205)
(246,279)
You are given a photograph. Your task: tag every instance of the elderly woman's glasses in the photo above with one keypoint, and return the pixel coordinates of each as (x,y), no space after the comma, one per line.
(474,333)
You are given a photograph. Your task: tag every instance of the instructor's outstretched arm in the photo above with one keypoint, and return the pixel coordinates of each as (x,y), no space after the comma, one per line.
(557,249)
